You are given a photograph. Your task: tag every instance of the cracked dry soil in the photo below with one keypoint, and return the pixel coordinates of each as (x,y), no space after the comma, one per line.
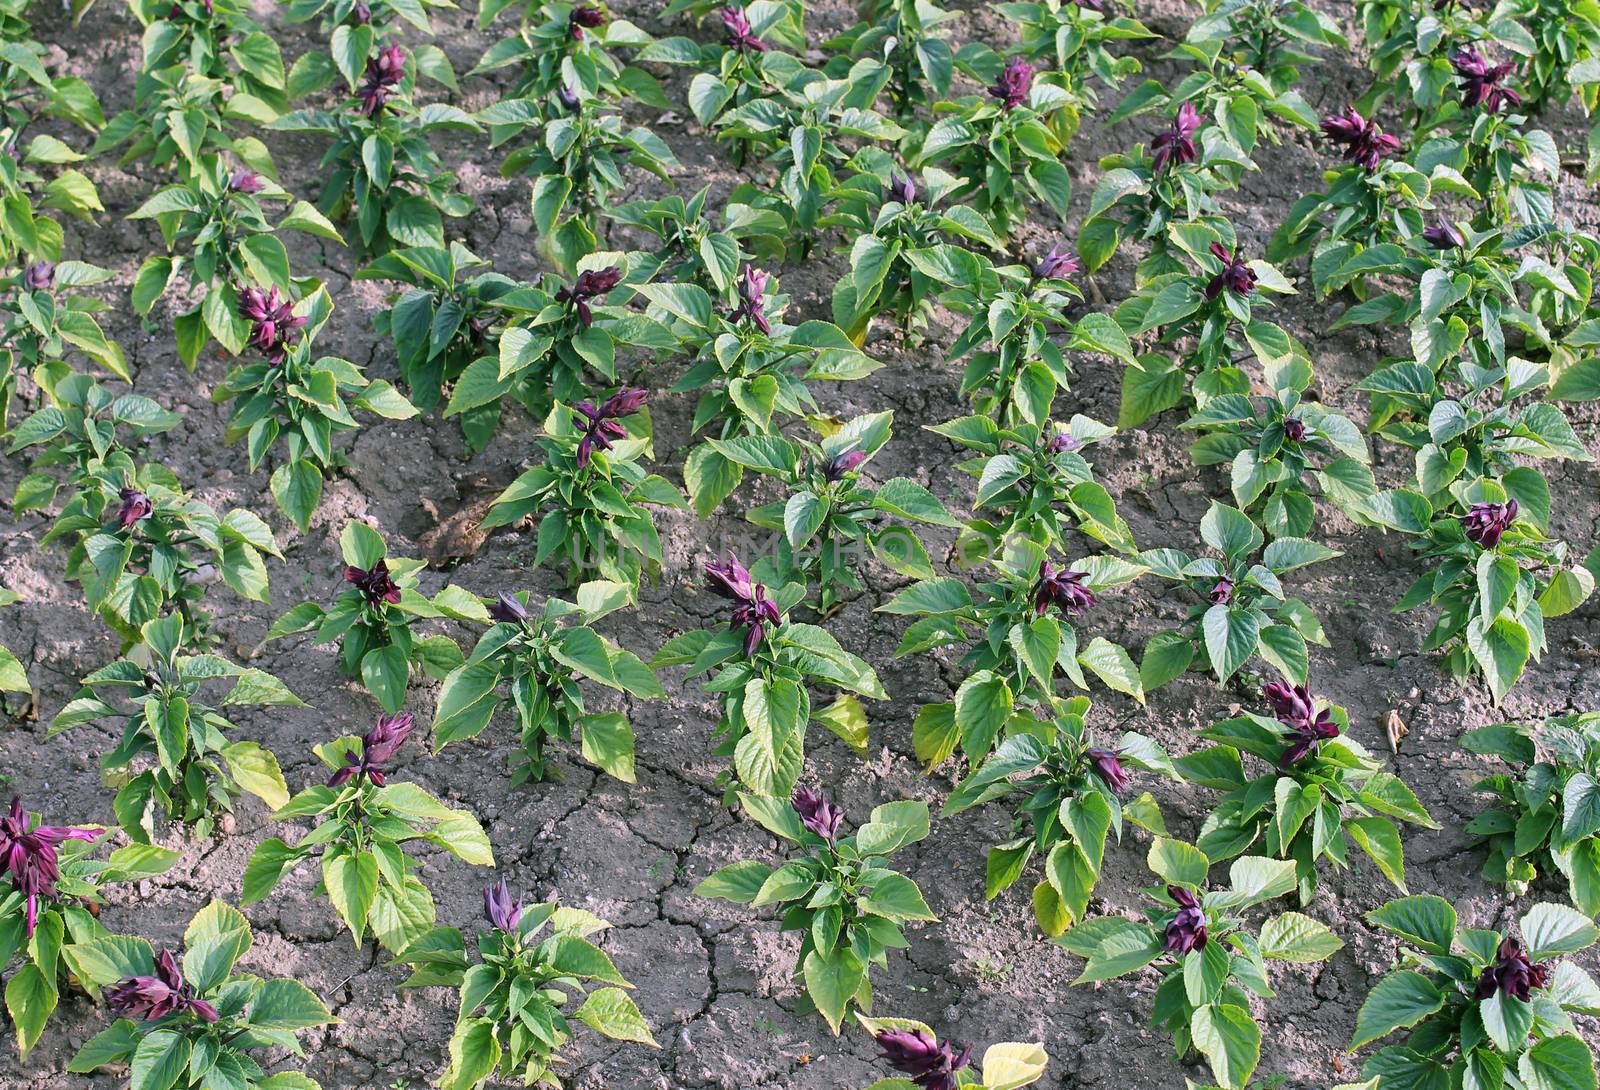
(713,979)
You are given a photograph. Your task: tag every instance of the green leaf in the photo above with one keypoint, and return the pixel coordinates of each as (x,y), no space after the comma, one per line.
(832,981)
(1114,666)
(287,1004)
(159,1060)
(30,999)
(1298,938)
(474,1054)
(1231,636)
(1558,1063)
(351,879)
(385,673)
(1427,921)
(1230,1041)
(1178,863)
(1399,1000)
(1551,930)
(611,1011)
(297,487)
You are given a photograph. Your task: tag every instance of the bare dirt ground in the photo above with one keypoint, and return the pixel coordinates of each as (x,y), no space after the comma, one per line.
(713,979)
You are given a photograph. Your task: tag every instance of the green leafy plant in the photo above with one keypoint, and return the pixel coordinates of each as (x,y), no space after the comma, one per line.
(840,893)
(179,116)
(529,664)
(510,1023)
(692,249)
(43,318)
(1546,809)
(559,45)
(197,773)
(1065,796)
(1480,1003)
(1075,44)
(907,37)
(202,1022)
(363,821)
(1213,963)
(27,231)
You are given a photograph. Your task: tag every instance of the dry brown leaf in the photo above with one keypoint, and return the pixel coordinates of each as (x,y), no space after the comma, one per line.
(1394,727)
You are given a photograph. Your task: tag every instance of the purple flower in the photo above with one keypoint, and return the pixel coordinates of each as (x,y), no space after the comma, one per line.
(28,855)
(1444,235)
(378,747)
(275,326)
(1485,523)
(601,425)
(1061,588)
(1107,764)
(1291,704)
(384,73)
(590,284)
(1306,735)
(502,911)
(1236,275)
(1176,145)
(1091,5)
(817,813)
(731,580)
(568,99)
(245,180)
(1513,974)
(753,299)
(361,14)
(926,1062)
(374,582)
(152,997)
(1221,591)
(585,15)
(1015,81)
(40,276)
(1063,441)
(1294,429)
(740,34)
(1483,81)
(1187,931)
(1363,141)
(840,464)
(135,506)
(1058,264)
(902,188)
(508,610)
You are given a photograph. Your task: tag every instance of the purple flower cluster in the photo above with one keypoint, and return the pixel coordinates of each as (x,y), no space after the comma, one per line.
(375,582)
(39,276)
(1236,276)
(28,855)
(817,813)
(1513,974)
(508,610)
(1221,592)
(585,16)
(600,424)
(1483,83)
(1486,523)
(152,997)
(378,747)
(245,180)
(591,284)
(1107,764)
(1294,429)
(1363,141)
(1308,727)
(844,462)
(135,507)
(926,1062)
(741,35)
(1444,235)
(503,912)
(1176,145)
(753,299)
(1061,588)
(902,188)
(1187,931)
(1014,84)
(275,327)
(1058,264)
(731,580)
(384,73)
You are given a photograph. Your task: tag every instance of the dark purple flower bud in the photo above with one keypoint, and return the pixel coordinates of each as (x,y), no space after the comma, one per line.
(1221,591)
(601,427)
(729,579)
(1058,264)
(28,855)
(1062,588)
(584,16)
(374,582)
(275,326)
(1290,703)
(389,65)
(1483,82)
(753,299)
(1363,141)
(153,997)
(361,14)
(1014,84)
(245,180)
(840,464)
(741,35)
(1236,276)
(902,188)
(590,284)
(1513,974)
(1486,523)
(926,1062)
(1176,145)
(1444,235)
(1063,441)
(503,912)
(135,506)
(1294,429)
(378,747)
(508,610)
(817,813)
(40,276)
(1107,764)
(568,99)
(1187,931)
(1306,735)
